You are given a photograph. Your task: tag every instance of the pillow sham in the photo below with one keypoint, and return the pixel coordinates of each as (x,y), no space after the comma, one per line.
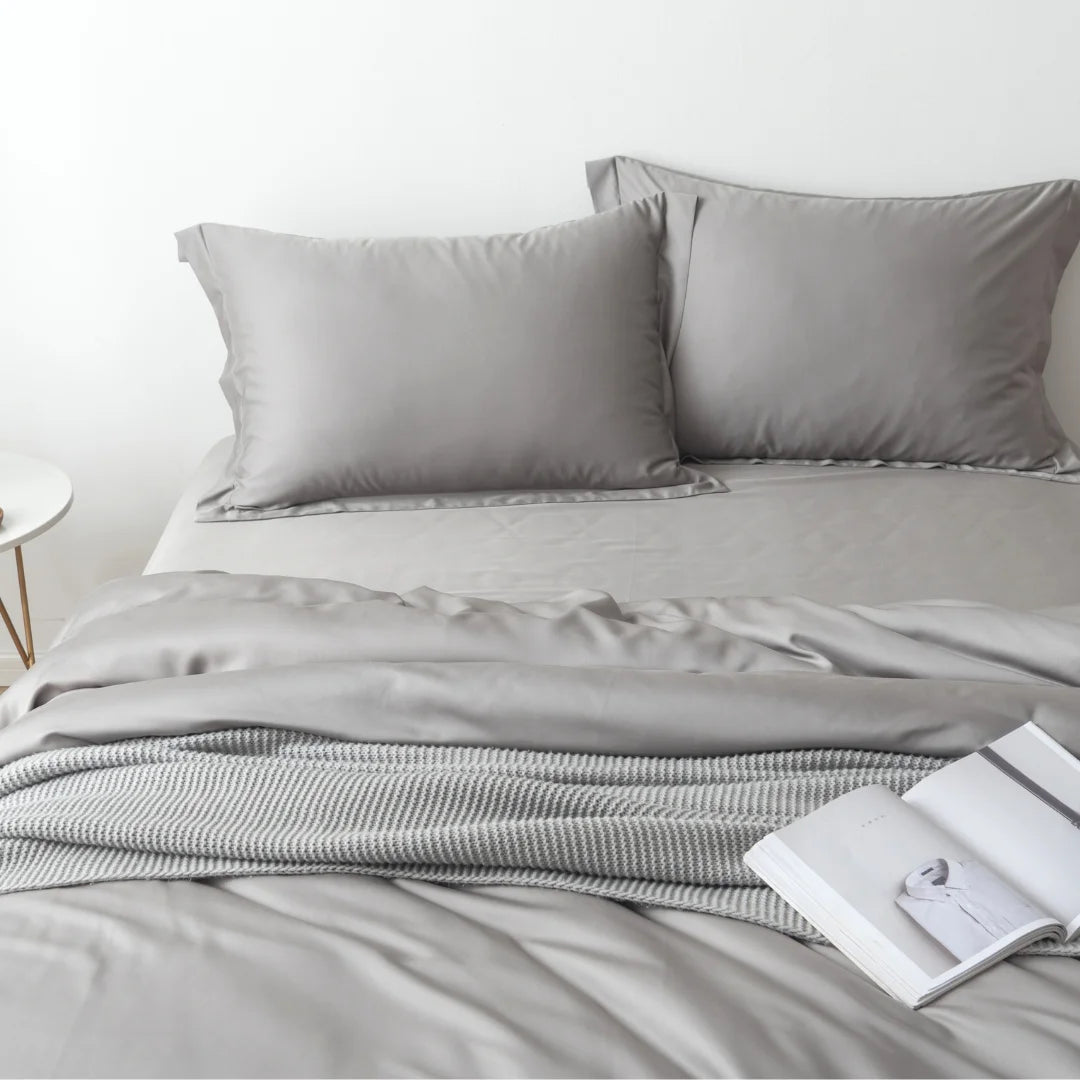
(378,374)
(906,331)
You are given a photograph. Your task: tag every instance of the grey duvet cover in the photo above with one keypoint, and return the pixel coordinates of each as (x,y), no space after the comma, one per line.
(312,819)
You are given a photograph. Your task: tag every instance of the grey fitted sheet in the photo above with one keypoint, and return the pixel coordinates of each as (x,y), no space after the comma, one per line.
(833,534)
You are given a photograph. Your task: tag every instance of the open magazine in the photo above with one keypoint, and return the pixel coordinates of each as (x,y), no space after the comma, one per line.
(924,891)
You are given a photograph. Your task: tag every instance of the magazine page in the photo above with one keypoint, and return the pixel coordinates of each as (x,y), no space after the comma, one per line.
(1016,806)
(863,868)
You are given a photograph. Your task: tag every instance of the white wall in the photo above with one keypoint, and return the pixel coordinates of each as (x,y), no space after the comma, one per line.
(123,121)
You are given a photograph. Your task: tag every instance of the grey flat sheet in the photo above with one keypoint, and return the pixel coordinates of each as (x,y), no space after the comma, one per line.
(838,535)
(341,975)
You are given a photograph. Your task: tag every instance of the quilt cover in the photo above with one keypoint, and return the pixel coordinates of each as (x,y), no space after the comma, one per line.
(217,764)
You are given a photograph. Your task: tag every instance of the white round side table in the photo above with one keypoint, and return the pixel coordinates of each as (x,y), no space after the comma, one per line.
(34,496)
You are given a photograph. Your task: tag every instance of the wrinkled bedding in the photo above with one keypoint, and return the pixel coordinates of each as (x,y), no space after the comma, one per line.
(345,974)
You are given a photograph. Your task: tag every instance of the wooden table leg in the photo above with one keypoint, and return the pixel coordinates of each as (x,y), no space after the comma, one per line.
(26,654)
(27,629)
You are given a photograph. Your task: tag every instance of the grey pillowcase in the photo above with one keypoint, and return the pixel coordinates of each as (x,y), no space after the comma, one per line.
(411,373)
(866,331)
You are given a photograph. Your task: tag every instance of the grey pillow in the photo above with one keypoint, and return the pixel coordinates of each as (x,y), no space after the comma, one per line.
(411,373)
(866,331)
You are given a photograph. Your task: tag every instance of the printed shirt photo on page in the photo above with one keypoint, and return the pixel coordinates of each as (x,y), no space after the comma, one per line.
(963,905)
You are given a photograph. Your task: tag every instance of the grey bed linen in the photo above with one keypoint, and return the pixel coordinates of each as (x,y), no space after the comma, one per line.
(892,331)
(395,374)
(348,975)
(839,536)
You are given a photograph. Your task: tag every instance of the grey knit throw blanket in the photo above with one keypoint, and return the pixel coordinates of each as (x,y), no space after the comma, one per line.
(669,832)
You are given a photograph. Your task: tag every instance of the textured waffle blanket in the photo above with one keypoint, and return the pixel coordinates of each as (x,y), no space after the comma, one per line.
(669,832)
(194,726)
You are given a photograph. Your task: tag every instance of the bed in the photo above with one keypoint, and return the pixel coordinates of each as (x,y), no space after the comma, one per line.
(339,974)
(355,781)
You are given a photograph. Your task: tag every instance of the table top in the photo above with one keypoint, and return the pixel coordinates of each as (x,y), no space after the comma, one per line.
(35,496)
